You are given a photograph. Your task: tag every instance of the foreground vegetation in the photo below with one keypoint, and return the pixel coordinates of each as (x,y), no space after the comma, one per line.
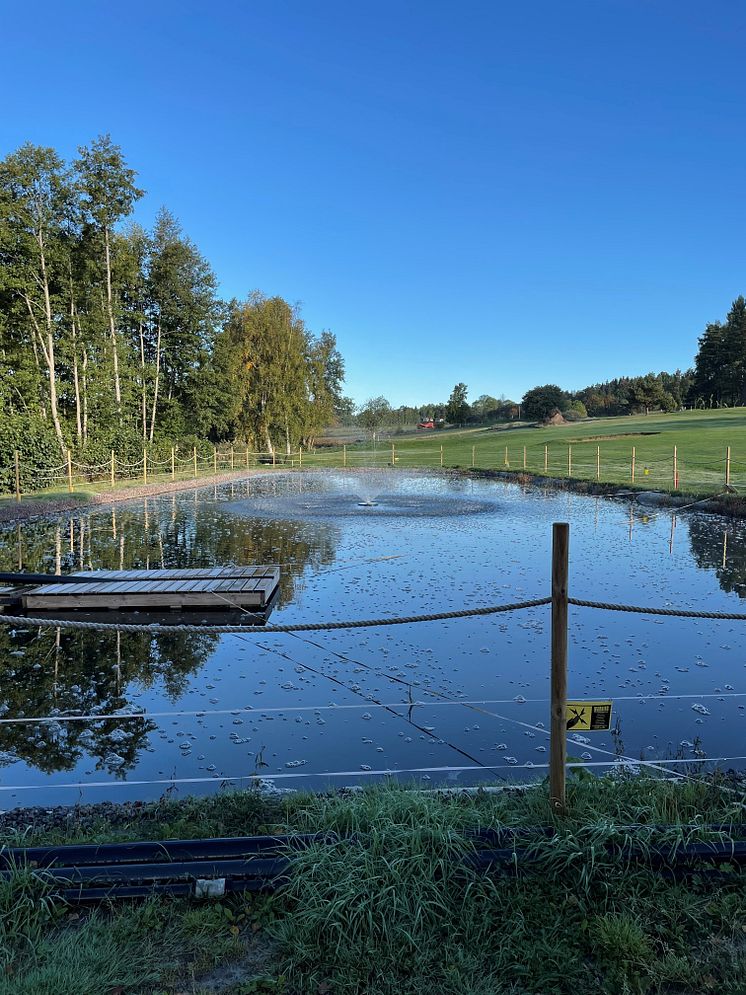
(394,913)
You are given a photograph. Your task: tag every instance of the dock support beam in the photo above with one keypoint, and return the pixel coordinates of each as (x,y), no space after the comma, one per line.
(558,727)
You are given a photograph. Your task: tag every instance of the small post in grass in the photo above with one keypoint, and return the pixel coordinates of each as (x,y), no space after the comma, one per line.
(727,467)
(145,466)
(214,460)
(569,461)
(506,457)
(675,468)
(393,454)
(173,464)
(194,455)
(598,462)
(18,475)
(300,456)
(232,459)
(524,457)
(274,458)
(441,455)
(247,454)
(473,457)
(633,464)
(546,458)
(558,726)
(69,472)
(113,468)
(344,455)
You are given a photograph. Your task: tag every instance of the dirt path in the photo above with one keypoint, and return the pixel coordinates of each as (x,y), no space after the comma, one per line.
(31,508)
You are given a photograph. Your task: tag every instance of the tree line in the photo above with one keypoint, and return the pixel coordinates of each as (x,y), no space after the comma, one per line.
(717,379)
(114,337)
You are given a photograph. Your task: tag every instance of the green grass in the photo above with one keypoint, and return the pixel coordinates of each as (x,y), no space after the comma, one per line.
(701,438)
(394,912)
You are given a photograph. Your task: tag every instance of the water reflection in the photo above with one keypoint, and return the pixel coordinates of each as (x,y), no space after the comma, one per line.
(346,700)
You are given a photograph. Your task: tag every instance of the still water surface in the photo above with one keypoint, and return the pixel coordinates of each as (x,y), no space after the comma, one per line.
(297,707)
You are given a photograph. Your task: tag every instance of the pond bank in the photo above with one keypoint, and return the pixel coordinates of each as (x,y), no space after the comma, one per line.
(43,507)
(397,911)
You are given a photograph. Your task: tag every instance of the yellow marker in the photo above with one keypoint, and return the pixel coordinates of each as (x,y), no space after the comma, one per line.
(588,716)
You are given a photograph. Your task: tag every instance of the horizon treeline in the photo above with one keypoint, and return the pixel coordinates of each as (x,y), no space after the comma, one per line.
(717,379)
(115,338)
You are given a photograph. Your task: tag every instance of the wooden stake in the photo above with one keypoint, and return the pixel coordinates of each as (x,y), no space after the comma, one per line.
(598,462)
(344,455)
(633,464)
(441,455)
(524,457)
(173,464)
(69,472)
(727,467)
(233,467)
(113,470)
(546,458)
(473,457)
(300,456)
(558,727)
(675,468)
(18,476)
(274,458)
(506,457)
(214,460)
(195,462)
(247,454)
(569,461)
(145,466)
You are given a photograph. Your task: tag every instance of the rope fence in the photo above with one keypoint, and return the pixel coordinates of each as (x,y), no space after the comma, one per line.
(579,460)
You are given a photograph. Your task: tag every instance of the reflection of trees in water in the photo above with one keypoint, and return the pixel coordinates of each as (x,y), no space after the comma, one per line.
(53,672)
(170,534)
(714,548)
(69,671)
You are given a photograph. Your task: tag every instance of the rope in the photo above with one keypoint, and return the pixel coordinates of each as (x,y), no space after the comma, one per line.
(675,612)
(25,621)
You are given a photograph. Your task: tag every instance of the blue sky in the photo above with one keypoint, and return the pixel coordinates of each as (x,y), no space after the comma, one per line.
(502,193)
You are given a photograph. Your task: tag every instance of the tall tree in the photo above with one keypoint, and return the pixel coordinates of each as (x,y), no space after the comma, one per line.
(457,409)
(108,194)
(34,202)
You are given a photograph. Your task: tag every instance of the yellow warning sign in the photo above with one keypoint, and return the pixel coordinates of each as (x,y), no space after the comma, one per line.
(588,716)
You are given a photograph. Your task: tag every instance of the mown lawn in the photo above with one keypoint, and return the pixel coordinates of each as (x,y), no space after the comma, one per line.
(701,438)
(396,913)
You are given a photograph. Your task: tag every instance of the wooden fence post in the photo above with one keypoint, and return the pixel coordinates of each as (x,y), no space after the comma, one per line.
(598,462)
(18,476)
(506,457)
(727,467)
(214,460)
(145,466)
(569,461)
(173,464)
(633,464)
(274,458)
(546,458)
(194,455)
(247,454)
(441,454)
(300,455)
(69,472)
(344,455)
(524,457)
(233,466)
(558,727)
(113,470)
(473,457)
(393,455)
(675,468)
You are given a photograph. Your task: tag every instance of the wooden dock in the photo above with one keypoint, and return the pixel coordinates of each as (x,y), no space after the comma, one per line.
(193,589)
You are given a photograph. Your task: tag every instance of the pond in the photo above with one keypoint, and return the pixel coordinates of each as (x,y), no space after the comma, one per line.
(456,702)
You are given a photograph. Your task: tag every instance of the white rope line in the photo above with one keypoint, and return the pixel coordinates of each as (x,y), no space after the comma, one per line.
(619,762)
(258,712)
